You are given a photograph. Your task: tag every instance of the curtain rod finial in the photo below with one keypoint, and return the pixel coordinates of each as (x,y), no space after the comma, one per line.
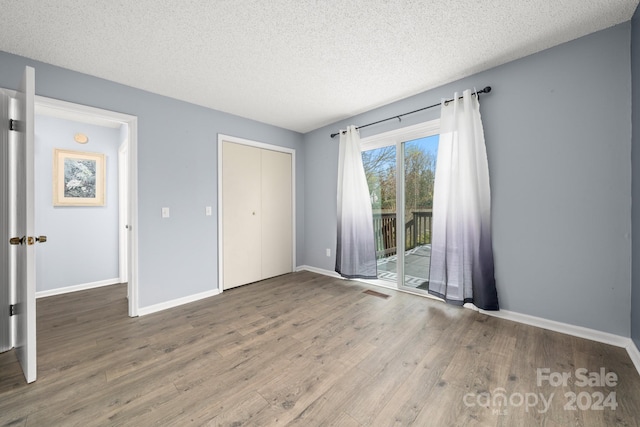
(487,89)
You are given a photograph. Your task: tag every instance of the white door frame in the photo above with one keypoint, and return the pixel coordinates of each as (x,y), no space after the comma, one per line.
(98,116)
(236,140)
(123,208)
(397,138)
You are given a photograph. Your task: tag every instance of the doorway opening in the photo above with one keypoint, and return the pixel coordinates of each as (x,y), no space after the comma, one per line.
(400,170)
(121,190)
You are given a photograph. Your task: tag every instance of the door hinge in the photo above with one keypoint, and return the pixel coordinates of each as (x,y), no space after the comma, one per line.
(12,310)
(13,124)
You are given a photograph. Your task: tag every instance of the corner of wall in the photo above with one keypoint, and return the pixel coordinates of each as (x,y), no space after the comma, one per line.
(635,179)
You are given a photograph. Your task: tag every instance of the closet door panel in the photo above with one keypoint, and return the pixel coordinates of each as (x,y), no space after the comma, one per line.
(241,199)
(276,213)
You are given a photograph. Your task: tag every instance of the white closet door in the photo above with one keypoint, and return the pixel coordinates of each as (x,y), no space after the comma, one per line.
(241,214)
(276,213)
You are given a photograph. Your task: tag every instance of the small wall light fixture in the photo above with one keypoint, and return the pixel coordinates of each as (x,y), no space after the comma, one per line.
(81,138)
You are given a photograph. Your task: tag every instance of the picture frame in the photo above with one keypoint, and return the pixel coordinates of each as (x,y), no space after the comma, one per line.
(78,178)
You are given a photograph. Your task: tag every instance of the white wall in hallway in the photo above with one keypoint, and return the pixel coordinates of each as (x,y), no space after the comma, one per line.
(82,245)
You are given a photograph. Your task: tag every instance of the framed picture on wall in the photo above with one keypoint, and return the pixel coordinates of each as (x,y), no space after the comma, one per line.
(78,178)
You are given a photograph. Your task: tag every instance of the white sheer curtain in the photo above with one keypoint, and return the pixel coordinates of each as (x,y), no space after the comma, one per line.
(355,250)
(461,247)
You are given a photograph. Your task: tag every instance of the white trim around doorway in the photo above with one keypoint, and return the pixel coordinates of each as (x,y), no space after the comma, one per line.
(98,116)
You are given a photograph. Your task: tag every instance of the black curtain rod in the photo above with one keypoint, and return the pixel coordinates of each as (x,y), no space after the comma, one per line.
(485,90)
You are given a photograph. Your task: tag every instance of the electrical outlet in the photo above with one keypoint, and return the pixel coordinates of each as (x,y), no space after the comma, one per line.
(165,212)
(328,252)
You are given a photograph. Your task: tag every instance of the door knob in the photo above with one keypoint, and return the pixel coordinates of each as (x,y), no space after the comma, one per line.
(31,240)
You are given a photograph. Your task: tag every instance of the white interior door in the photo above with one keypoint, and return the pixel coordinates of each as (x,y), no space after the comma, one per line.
(241,214)
(25,254)
(5,275)
(276,229)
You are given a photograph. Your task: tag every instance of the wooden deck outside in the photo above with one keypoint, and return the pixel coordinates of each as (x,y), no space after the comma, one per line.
(416,267)
(417,232)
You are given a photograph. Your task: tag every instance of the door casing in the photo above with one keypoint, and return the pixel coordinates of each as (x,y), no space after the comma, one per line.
(83,113)
(397,138)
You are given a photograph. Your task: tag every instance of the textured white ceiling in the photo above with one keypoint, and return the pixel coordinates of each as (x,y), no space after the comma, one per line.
(298,64)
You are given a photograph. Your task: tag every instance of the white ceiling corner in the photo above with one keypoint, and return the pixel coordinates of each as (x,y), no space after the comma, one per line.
(297,64)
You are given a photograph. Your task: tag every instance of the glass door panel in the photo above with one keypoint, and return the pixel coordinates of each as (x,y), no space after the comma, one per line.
(419,164)
(380,169)
(402,208)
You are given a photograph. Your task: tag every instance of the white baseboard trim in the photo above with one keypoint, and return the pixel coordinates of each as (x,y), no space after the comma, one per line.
(143,311)
(319,271)
(565,328)
(552,325)
(76,288)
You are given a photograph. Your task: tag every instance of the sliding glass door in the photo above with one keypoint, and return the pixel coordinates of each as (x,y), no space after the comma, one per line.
(400,170)
(380,169)
(419,172)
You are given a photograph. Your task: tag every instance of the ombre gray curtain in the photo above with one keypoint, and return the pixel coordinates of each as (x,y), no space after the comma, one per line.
(461,248)
(355,249)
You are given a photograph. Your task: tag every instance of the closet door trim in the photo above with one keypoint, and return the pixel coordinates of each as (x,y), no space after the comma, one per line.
(257,144)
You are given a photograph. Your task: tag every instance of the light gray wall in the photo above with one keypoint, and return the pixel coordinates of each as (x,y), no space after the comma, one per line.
(558,131)
(82,244)
(558,134)
(176,168)
(635,186)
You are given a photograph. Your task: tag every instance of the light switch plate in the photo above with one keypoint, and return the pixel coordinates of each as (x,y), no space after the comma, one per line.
(165,212)
(207,210)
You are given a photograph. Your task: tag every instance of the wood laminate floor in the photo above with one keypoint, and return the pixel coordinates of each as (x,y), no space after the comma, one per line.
(307,350)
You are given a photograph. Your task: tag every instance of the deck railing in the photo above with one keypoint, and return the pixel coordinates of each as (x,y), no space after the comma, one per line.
(417,231)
